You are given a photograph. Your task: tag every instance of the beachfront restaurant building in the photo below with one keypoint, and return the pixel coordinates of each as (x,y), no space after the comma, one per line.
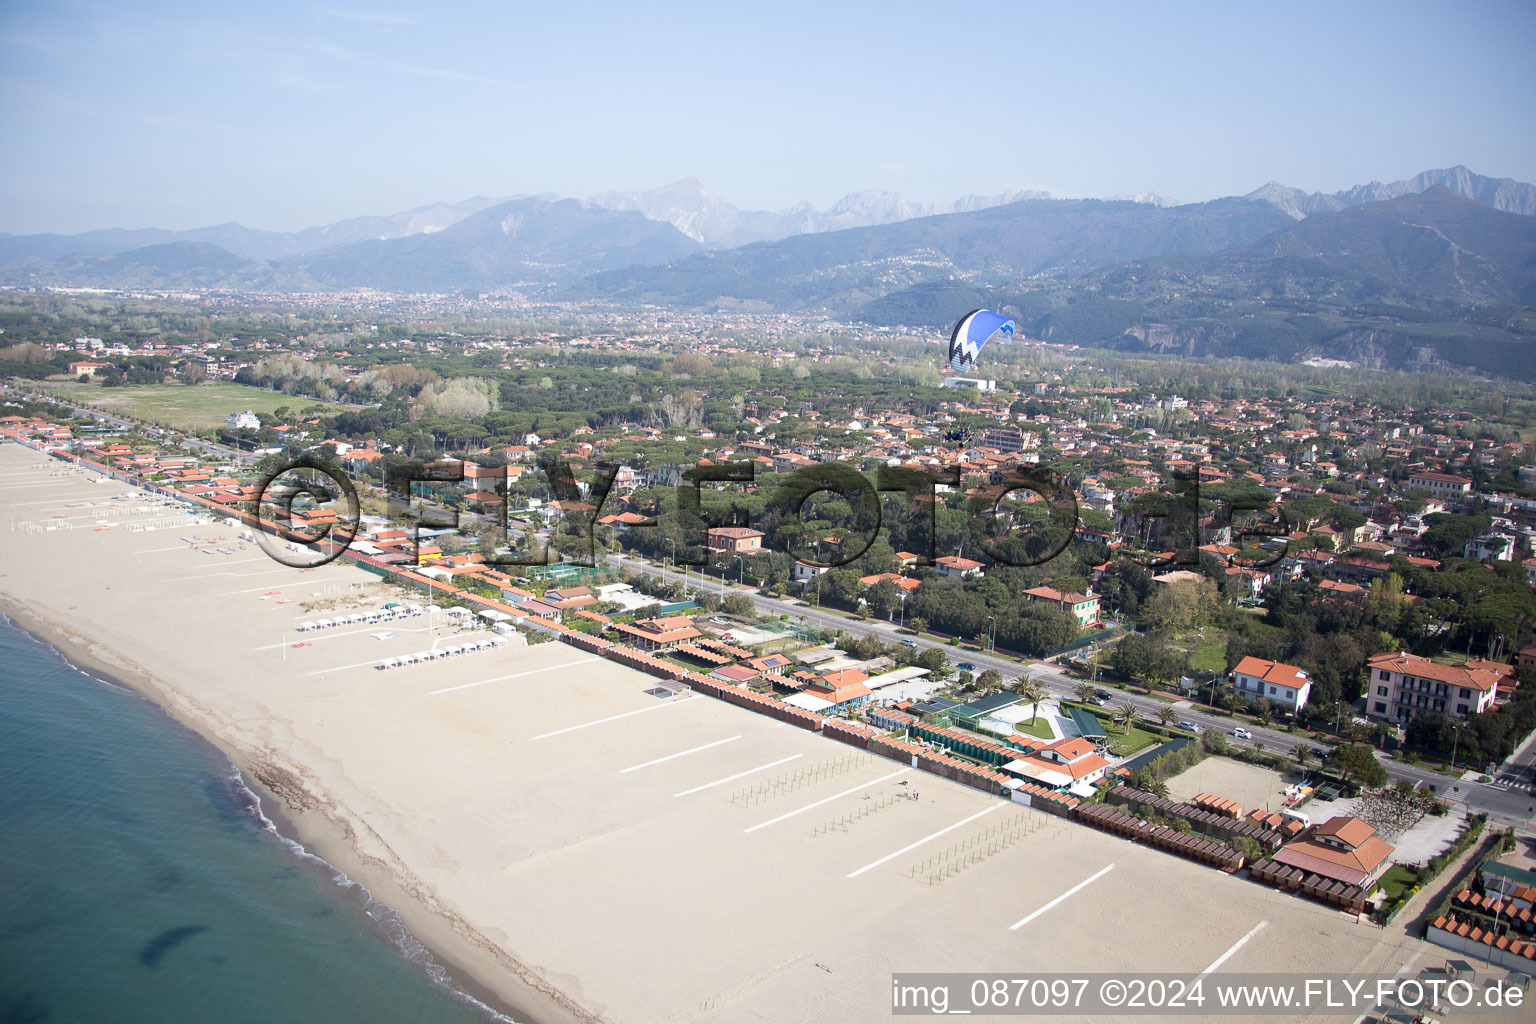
(1342,848)
(843,690)
(658,634)
(1072,763)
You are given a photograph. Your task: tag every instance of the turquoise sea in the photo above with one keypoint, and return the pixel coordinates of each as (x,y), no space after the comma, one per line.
(139,880)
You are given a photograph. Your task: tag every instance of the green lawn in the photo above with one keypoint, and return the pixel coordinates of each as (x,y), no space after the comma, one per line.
(183,406)
(1397,880)
(1039,730)
(1210,655)
(1207,650)
(1139,739)
(1121,742)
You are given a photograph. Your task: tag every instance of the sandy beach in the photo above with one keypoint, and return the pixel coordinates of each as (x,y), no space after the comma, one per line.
(585,850)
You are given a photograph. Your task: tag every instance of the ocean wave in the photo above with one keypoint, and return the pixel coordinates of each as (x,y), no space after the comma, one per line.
(248,802)
(385,917)
(61,656)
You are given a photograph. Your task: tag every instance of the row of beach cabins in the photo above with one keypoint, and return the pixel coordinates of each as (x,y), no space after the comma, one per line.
(389,613)
(454,651)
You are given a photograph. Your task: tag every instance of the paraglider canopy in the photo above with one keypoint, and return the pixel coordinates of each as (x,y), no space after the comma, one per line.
(973,331)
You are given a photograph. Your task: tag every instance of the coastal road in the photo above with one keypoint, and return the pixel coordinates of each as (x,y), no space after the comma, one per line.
(1508,799)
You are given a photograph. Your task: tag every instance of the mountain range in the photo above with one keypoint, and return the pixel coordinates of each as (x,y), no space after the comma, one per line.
(707,218)
(687,205)
(1432,281)
(715,224)
(837,271)
(244,242)
(1500,193)
(1409,273)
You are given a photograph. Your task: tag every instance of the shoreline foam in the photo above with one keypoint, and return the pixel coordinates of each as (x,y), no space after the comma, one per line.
(309,834)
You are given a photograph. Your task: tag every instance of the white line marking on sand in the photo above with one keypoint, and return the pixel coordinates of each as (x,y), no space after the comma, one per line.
(1085,883)
(732,778)
(211,575)
(1408,963)
(305,583)
(355,664)
(827,800)
(328,636)
(572,728)
(680,753)
(54,503)
(920,842)
(515,675)
(1239,944)
(387,627)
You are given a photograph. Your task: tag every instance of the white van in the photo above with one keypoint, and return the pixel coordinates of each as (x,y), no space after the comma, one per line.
(1295,815)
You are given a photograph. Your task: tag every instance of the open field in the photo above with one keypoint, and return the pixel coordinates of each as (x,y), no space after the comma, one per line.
(1210,655)
(184,406)
(587,850)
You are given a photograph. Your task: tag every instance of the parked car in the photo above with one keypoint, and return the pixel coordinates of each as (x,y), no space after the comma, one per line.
(1242,734)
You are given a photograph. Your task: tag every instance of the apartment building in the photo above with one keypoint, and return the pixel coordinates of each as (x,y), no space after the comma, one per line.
(1401,685)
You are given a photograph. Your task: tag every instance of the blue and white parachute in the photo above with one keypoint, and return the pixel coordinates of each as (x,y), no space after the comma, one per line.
(973,331)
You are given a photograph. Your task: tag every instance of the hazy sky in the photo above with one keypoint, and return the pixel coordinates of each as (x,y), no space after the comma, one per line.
(281,116)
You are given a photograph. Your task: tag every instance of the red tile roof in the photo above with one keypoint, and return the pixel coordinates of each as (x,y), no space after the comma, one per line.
(1453,675)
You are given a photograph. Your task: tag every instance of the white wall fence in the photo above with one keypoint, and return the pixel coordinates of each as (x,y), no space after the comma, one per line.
(1482,950)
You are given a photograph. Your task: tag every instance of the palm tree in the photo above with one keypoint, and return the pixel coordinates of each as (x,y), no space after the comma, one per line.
(1085,693)
(1302,753)
(1125,715)
(1166,715)
(1158,788)
(1033,692)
